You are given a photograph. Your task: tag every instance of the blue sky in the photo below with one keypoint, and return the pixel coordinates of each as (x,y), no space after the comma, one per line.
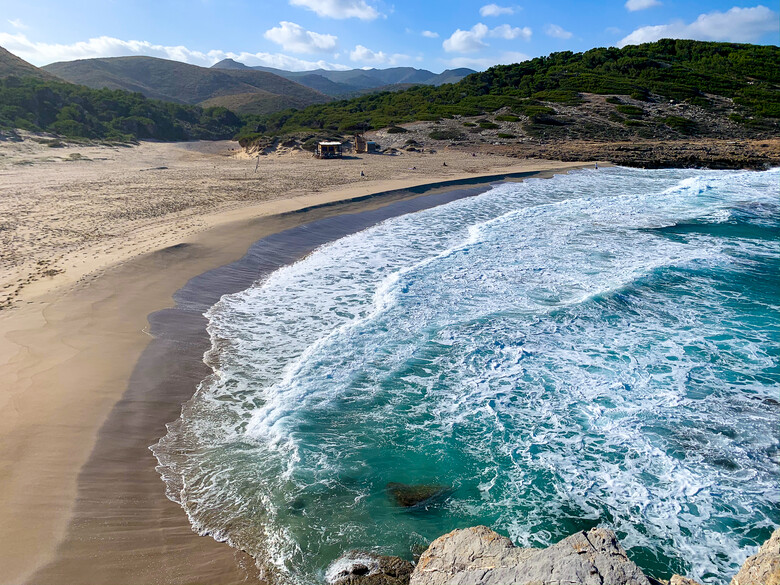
(341,34)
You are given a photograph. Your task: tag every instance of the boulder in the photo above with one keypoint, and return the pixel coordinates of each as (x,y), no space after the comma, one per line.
(365,568)
(479,556)
(409,495)
(764,567)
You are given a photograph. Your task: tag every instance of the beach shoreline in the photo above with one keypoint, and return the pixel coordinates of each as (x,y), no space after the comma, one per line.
(68,350)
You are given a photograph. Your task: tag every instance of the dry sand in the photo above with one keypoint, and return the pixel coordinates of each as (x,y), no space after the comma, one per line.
(88,239)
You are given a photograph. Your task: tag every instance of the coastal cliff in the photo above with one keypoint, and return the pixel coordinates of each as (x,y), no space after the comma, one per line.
(480,556)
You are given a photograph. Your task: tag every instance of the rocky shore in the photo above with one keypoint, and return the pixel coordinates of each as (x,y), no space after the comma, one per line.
(480,556)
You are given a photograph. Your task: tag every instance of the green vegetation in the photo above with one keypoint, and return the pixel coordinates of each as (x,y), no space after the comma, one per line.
(397,130)
(506,135)
(487,125)
(77,111)
(446,135)
(682,125)
(507,118)
(630,111)
(680,70)
(244,91)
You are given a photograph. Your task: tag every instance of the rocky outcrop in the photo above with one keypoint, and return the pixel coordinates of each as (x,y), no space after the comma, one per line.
(480,556)
(366,568)
(410,495)
(764,567)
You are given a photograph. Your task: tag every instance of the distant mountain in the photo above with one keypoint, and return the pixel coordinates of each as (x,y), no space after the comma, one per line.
(189,84)
(10,64)
(355,81)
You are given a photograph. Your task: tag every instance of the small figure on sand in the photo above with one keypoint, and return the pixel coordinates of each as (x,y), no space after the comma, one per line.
(362,174)
(597,166)
(444,164)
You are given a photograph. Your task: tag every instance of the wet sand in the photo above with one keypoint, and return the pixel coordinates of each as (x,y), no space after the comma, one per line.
(80,499)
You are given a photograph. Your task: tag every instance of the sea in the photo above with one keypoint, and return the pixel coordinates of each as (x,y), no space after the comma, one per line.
(600,348)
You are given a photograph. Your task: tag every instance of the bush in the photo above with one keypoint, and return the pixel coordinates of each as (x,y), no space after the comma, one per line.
(507,118)
(446,135)
(506,135)
(487,125)
(397,130)
(630,111)
(469,124)
(682,125)
(613,100)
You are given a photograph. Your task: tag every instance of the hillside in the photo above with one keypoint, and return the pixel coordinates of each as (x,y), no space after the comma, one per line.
(671,88)
(10,65)
(355,81)
(183,83)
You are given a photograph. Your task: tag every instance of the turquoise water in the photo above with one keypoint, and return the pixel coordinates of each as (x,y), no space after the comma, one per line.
(600,348)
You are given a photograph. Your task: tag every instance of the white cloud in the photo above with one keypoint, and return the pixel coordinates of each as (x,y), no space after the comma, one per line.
(363,54)
(555,31)
(740,25)
(505,31)
(470,41)
(18,24)
(485,62)
(43,53)
(339,8)
(293,37)
(430,34)
(495,10)
(634,5)
(466,41)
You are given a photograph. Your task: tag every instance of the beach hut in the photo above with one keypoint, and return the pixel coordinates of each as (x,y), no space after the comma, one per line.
(328,150)
(363,145)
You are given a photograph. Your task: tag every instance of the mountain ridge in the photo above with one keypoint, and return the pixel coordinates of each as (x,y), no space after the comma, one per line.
(184,83)
(349,82)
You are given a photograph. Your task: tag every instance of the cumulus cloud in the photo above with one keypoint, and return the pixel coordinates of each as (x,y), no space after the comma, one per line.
(339,8)
(466,41)
(18,24)
(430,34)
(555,31)
(505,31)
(293,37)
(363,54)
(495,10)
(471,41)
(44,53)
(634,5)
(740,25)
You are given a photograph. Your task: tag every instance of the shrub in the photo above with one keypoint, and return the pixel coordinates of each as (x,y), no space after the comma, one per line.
(507,118)
(682,125)
(505,135)
(487,125)
(630,111)
(397,130)
(613,100)
(446,135)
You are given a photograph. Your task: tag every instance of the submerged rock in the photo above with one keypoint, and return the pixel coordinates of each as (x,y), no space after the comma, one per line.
(365,568)
(480,556)
(762,568)
(408,495)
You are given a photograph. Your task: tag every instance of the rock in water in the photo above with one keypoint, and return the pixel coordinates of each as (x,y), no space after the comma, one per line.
(406,495)
(365,568)
(479,556)
(680,580)
(764,567)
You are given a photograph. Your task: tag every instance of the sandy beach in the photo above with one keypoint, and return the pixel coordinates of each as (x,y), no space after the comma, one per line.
(93,240)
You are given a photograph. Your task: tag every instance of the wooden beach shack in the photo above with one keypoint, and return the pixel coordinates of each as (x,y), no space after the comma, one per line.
(328,150)
(363,145)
